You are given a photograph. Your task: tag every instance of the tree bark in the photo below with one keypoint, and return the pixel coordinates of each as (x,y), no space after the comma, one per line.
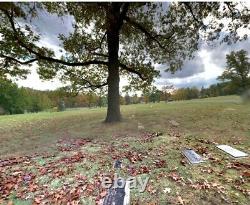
(113,112)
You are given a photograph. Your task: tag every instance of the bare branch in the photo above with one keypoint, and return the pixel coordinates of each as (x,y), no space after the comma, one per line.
(102,40)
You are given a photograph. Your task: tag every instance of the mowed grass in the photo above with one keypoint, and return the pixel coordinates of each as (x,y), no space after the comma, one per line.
(223,118)
(202,124)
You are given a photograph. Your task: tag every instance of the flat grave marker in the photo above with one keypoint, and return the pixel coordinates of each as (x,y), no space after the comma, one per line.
(118,195)
(192,156)
(118,164)
(232,151)
(115,197)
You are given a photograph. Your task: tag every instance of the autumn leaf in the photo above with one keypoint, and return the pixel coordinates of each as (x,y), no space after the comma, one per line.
(160,163)
(167,190)
(36,201)
(33,187)
(246,174)
(175,176)
(10,203)
(202,150)
(180,200)
(103,194)
(150,189)
(151,203)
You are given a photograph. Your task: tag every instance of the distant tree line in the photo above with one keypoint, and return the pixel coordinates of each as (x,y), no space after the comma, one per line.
(14,100)
(219,89)
(169,93)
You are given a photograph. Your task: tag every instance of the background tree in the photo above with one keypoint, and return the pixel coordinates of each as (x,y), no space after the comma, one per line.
(127,99)
(155,95)
(36,100)
(180,94)
(166,92)
(203,92)
(193,93)
(101,101)
(16,100)
(145,96)
(186,93)
(135,99)
(237,70)
(114,39)
(11,99)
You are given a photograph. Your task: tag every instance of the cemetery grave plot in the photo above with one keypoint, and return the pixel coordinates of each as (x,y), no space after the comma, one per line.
(192,156)
(232,151)
(115,196)
(72,173)
(119,192)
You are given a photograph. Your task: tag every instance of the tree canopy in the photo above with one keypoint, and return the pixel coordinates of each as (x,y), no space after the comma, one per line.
(237,70)
(112,40)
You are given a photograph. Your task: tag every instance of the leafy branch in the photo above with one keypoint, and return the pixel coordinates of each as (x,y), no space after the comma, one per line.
(38,55)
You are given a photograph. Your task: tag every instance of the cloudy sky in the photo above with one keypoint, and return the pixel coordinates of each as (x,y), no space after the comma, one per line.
(208,64)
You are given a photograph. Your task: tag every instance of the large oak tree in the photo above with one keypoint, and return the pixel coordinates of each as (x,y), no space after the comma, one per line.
(114,39)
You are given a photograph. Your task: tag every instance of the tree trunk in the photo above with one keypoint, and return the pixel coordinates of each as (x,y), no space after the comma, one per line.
(113,113)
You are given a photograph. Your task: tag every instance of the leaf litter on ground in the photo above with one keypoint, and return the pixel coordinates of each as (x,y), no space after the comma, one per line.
(74,175)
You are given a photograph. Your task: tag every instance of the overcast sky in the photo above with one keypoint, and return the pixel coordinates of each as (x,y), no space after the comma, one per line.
(208,64)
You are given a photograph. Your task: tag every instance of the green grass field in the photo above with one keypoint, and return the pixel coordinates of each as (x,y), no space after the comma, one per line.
(51,151)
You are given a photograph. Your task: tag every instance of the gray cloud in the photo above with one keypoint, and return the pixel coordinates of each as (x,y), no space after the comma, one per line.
(218,53)
(50,26)
(189,68)
(187,76)
(195,82)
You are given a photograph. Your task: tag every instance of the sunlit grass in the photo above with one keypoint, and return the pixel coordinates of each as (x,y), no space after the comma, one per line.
(224,118)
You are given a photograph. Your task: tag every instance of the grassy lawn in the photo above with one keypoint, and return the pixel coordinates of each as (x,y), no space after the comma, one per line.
(59,157)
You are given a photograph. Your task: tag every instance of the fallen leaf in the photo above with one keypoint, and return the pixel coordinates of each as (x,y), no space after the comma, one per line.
(180,200)
(103,194)
(167,190)
(246,174)
(150,189)
(10,203)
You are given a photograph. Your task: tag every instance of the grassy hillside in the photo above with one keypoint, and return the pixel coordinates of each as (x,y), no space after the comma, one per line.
(57,153)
